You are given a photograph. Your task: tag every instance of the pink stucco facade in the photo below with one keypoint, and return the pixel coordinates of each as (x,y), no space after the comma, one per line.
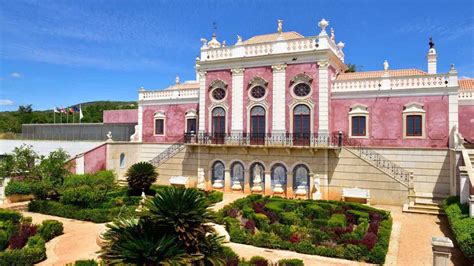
(225,76)
(466,121)
(385,126)
(95,160)
(266,74)
(120,116)
(174,121)
(312,71)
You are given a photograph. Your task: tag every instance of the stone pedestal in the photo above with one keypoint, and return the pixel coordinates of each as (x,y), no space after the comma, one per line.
(218,184)
(289,186)
(441,247)
(227,181)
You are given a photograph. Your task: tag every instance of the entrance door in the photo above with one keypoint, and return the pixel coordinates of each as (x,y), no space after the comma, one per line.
(257,125)
(218,125)
(301,125)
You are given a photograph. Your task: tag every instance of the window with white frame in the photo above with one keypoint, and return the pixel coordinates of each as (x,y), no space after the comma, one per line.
(191,122)
(160,120)
(414,121)
(358,121)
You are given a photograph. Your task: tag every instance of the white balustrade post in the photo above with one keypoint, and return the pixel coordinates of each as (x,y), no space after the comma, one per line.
(441,247)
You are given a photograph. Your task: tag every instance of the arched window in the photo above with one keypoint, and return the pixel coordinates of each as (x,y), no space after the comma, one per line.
(122,160)
(300,176)
(218,124)
(278,176)
(257,175)
(301,124)
(237,175)
(218,174)
(257,125)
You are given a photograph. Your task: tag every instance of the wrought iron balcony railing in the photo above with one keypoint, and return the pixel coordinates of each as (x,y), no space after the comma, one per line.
(265,139)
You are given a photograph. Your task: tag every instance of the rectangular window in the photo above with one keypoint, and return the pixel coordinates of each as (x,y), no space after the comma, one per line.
(159,126)
(191,125)
(358,126)
(414,127)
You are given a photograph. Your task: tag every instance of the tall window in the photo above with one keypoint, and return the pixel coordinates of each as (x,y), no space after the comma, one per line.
(300,176)
(257,124)
(278,175)
(191,125)
(358,126)
(237,173)
(414,125)
(159,126)
(218,124)
(301,124)
(217,171)
(122,160)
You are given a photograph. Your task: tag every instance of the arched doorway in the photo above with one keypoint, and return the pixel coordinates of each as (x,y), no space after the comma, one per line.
(237,176)
(218,125)
(301,125)
(257,177)
(301,180)
(217,174)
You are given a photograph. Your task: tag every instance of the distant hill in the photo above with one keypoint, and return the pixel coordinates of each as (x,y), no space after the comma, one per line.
(11,121)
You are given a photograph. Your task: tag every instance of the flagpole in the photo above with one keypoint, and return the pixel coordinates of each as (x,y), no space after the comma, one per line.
(54,115)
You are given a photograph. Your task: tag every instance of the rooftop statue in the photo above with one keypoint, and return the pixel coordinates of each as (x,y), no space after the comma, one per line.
(385,66)
(280,26)
(333,36)
(431,43)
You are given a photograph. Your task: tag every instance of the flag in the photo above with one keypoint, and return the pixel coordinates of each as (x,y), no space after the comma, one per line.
(56,110)
(71,110)
(80,113)
(63,110)
(76,109)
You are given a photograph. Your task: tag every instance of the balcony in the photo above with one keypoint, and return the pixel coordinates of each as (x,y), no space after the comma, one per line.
(284,140)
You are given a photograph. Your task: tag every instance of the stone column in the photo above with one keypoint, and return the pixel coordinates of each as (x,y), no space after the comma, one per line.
(279,93)
(227,181)
(323,98)
(268,184)
(289,185)
(247,181)
(202,101)
(237,125)
(441,247)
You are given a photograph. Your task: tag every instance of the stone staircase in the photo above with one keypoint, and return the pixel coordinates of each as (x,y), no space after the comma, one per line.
(168,153)
(425,203)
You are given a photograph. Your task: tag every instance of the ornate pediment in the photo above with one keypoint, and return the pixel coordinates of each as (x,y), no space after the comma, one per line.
(257,81)
(218,83)
(301,78)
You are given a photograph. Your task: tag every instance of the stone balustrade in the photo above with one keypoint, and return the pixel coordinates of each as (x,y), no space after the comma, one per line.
(276,47)
(168,94)
(466,95)
(395,83)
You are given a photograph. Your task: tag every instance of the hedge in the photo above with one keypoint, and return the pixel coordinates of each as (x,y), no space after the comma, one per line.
(49,229)
(16,187)
(10,215)
(99,215)
(86,263)
(461,225)
(290,262)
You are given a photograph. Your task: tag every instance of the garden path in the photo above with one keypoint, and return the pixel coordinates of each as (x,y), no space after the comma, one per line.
(78,241)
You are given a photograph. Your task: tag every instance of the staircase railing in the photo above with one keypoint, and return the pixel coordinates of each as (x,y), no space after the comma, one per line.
(397,172)
(169,152)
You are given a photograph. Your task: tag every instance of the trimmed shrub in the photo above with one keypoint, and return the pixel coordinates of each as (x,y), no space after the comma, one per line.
(262,221)
(10,215)
(258,261)
(49,229)
(215,196)
(290,262)
(17,187)
(86,263)
(33,252)
(461,225)
(230,257)
(140,177)
(359,214)
(3,239)
(337,220)
(290,218)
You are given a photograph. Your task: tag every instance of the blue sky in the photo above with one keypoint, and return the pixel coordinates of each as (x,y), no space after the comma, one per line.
(59,53)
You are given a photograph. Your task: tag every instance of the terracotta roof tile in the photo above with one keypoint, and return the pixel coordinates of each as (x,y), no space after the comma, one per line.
(184,86)
(273,37)
(466,84)
(379,74)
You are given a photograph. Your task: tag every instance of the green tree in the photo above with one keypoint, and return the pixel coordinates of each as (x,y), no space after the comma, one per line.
(53,168)
(140,177)
(22,163)
(352,68)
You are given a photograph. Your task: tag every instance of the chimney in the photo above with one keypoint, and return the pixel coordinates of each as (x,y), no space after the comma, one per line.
(432,58)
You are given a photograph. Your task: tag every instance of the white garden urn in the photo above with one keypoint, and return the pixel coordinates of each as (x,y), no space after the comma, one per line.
(257,184)
(278,189)
(301,190)
(218,183)
(236,185)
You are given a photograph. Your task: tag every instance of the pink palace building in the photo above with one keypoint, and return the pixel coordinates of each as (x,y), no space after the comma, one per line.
(277,114)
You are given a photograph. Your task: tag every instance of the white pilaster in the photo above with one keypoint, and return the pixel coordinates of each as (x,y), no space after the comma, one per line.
(237,100)
(323,98)
(202,101)
(140,123)
(453,108)
(432,61)
(279,93)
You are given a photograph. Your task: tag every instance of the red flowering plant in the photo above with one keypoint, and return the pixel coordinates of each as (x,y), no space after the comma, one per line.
(19,238)
(250,225)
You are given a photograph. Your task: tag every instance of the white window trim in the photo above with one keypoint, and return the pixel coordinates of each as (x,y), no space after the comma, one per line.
(257,81)
(215,85)
(359,110)
(249,108)
(159,115)
(310,105)
(210,109)
(414,108)
(190,114)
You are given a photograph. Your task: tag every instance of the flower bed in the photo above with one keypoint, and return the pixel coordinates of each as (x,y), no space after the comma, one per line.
(327,228)
(461,225)
(23,243)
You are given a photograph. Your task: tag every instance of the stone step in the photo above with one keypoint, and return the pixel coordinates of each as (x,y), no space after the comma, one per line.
(427,206)
(422,209)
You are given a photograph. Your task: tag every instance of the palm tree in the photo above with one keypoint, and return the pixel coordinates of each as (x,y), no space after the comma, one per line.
(132,241)
(182,211)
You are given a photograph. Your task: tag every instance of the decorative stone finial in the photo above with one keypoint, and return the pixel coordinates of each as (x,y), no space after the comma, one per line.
(323,24)
(213,43)
(385,66)
(239,40)
(224,43)
(141,89)
(333,36)
(453,68)
(280,26)
(431,43)
(341,45)
(204,43)
(176,80)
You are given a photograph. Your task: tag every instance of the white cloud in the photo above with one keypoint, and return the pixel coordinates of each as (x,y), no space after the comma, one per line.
(5,102)
(15,75)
